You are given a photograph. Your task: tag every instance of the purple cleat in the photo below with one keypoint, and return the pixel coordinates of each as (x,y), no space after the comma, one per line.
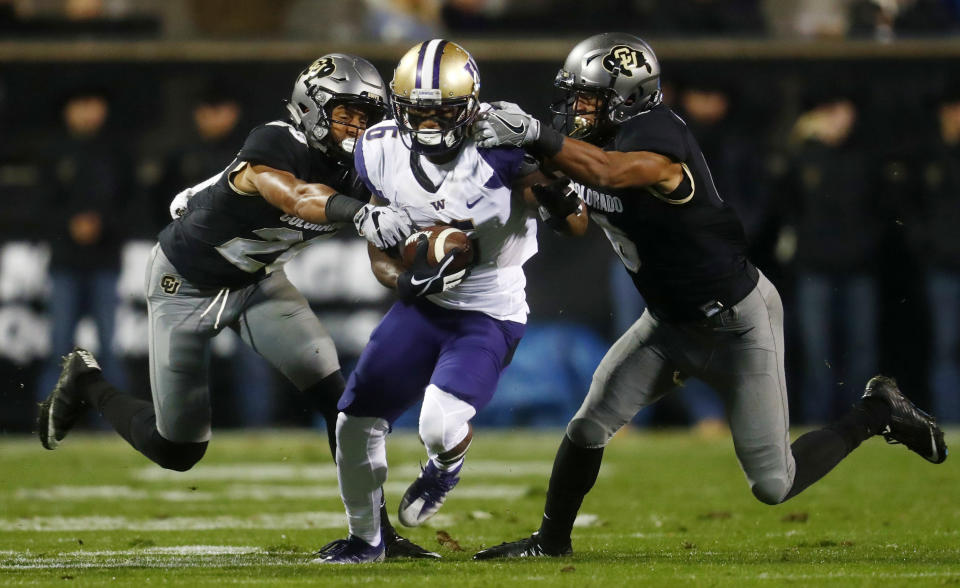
(425,496)
(351,550)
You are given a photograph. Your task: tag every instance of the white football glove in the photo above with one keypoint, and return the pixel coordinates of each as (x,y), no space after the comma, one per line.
(505,124)
(383,226)
(178,206)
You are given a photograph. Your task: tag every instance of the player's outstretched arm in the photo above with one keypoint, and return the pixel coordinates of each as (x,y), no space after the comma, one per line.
(289,193)
(579,160)
(615,169)
(319,203)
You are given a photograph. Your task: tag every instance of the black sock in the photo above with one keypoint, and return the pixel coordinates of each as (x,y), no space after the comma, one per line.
(323,397)
(135,420)
(867,417)
(575,470)
(818,452)
(117,408)
(386,528)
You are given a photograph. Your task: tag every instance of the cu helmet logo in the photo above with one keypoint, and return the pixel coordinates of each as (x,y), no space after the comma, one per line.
(623,59)
(322,67)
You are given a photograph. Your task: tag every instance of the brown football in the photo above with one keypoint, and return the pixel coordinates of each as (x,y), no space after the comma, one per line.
(442,239)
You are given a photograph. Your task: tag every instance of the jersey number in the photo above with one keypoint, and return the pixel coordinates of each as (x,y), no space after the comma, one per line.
(622,245)
(287,242)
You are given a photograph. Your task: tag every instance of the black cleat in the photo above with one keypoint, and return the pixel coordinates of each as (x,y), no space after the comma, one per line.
(398,546)
(65,404)
(532,546)
(908,425)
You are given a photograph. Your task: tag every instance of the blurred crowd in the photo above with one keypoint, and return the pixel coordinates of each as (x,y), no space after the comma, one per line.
(401,20)
(848,187)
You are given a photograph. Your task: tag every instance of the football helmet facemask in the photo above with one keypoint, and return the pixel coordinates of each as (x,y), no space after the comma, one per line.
(435,95)
(332,80)
(606,80)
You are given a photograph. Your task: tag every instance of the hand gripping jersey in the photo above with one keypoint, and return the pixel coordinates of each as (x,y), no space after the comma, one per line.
(685,250)
(473,193)
(230,238)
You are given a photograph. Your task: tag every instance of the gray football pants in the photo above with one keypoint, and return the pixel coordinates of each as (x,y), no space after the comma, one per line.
(271,316)
(738,352)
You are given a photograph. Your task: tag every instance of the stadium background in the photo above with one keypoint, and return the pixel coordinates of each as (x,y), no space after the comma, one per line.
(773,59)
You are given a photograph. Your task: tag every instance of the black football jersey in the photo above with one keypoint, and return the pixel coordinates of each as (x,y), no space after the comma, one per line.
(683,250)
(228,238)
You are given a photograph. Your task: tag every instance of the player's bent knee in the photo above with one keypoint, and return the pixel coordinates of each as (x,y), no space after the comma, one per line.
(444,420)
(771,490)
(588,433)
(175,456)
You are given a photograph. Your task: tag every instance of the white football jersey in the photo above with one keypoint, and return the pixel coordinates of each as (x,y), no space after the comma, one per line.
(472,192)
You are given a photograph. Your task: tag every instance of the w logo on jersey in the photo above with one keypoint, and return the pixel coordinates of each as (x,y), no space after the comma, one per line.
(438,205)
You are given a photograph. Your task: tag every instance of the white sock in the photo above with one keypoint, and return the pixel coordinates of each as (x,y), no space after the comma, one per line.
(447,467)
(362,470)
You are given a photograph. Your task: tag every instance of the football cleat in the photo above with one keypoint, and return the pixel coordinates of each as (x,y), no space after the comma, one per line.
(398,547)
(65,404)
(425,496)
(908,425)
(532,546)
(351,550)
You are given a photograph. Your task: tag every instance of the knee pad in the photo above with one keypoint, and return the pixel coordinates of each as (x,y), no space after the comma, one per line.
(444,420)
(175,456)
(588,433)
(770,490)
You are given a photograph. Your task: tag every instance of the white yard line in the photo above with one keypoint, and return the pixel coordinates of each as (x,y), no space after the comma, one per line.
(232,556)
(260,471)
(300,520)
(256,492)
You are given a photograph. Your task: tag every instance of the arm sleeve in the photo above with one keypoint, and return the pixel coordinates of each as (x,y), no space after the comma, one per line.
(507,164)
(277,145)
(659,131)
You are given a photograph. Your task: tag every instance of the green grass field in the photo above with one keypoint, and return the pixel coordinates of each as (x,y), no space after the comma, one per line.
(669,509)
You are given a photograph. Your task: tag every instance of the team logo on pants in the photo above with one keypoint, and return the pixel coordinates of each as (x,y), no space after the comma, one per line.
(170,284)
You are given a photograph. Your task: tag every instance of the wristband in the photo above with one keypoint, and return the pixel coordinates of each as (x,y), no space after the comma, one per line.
(341,208)
(548,143)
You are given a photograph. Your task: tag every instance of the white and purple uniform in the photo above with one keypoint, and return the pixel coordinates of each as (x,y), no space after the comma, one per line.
(459,340)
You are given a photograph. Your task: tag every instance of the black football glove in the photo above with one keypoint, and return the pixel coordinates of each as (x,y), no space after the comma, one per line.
(558,198)
(421,279)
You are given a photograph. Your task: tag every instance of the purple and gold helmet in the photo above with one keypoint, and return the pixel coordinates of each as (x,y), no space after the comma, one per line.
(435,94)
